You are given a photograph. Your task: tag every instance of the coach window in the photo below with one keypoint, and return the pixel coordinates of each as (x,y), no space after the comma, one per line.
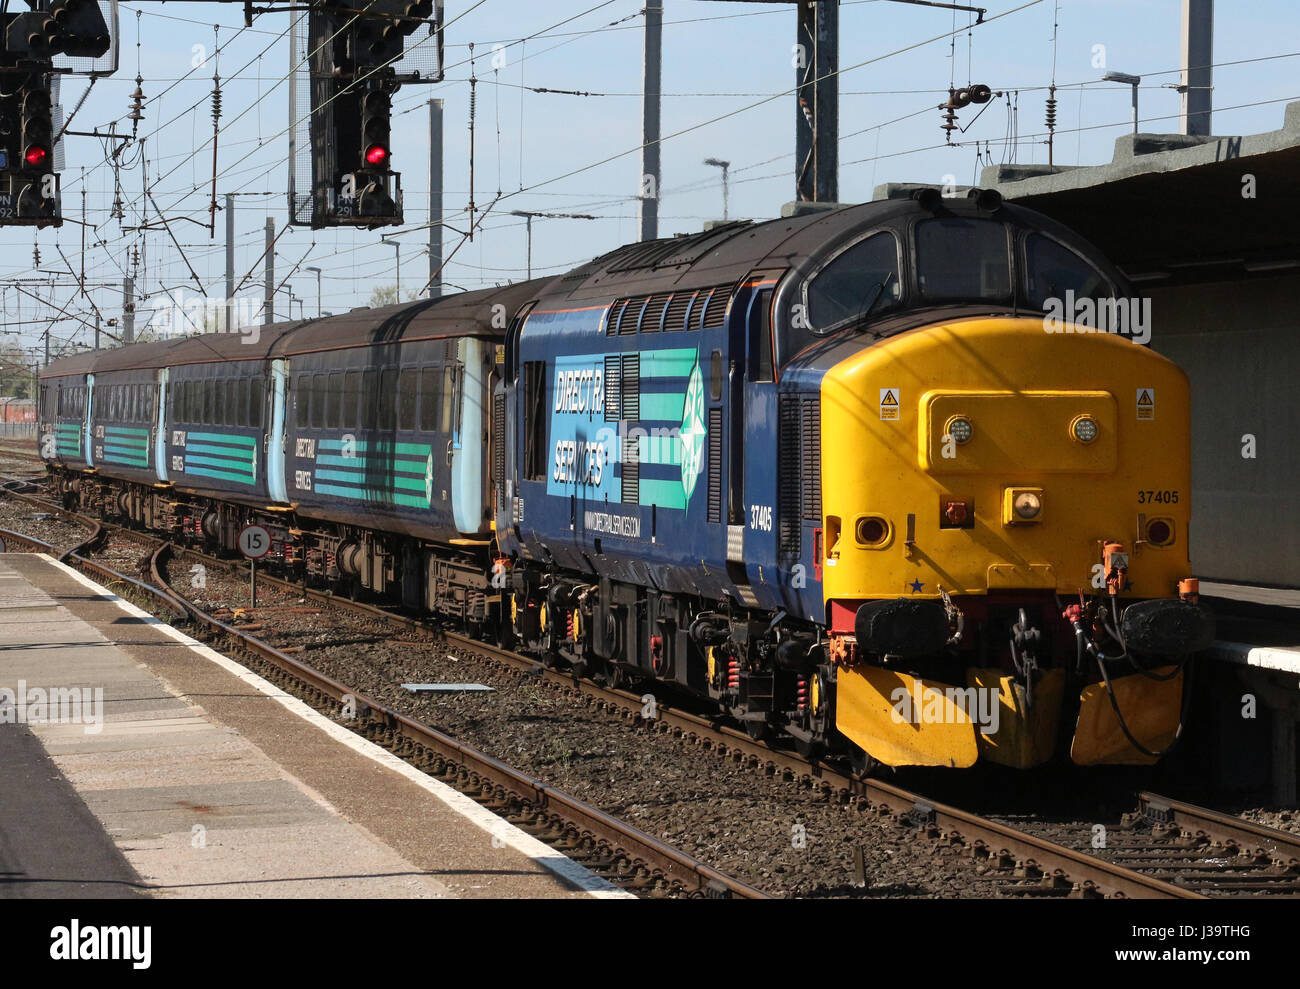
(407,397)
(318,401)
(301,400)
(333,399)
(255,399)
(388,399)
(351,393)
(229,388)
(368,414)
(430,398)
(241,401)
(217,412)
(450,391)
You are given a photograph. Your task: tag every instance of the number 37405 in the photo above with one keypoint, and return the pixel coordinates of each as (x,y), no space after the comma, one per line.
(1152,497)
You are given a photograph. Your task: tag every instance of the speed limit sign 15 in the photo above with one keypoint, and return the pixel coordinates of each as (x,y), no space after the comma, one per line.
(254,542)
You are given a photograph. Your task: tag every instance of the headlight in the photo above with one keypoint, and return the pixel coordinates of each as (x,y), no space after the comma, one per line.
(960,429)
(1028,505)
(1084,429)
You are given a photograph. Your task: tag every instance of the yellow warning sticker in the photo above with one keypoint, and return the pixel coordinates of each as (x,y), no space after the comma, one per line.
(1146,403)
(889,403)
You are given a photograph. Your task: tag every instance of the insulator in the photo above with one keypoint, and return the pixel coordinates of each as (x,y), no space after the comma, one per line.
(36,257)
(216,99)
(1051,114)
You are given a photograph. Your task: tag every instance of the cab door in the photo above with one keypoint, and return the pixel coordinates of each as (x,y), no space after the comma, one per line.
(752,436)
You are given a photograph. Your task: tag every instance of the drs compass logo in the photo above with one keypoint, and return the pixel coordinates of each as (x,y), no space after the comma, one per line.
(693,430)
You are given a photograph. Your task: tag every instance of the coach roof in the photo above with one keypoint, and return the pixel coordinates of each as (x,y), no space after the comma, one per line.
(464,314)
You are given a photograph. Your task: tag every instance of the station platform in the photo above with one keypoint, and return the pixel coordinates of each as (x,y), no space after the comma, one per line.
(1258,642)
(158,767)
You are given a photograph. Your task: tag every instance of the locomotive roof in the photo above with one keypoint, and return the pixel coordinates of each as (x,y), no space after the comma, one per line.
(727,253)
(719,256)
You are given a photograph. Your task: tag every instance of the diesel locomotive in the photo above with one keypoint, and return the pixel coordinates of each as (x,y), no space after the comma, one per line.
(837,472)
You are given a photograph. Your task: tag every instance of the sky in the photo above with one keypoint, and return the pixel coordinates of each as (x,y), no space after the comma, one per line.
(727,75)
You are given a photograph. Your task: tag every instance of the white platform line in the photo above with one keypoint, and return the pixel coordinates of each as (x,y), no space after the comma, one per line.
(498,827)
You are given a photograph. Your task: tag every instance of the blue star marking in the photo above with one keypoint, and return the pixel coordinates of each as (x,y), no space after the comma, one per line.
(916,586)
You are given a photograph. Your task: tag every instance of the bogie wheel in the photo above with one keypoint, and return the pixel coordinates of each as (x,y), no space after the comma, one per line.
(757,730)
(809,748)
(861,765)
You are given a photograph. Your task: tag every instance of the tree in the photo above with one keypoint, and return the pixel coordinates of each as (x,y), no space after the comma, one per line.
(383,295)
(15,376)
(386,295)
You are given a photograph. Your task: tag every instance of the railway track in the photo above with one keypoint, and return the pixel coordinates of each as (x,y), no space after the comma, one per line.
(623,854)
(1214,853)
(1016,862)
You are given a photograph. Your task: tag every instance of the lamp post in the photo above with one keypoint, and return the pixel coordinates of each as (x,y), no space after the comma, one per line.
(1127,80)
(397,247)
(317,270)
(528,220)
(724,165)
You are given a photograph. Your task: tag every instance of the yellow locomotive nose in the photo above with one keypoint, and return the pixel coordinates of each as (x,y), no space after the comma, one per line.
(952,483)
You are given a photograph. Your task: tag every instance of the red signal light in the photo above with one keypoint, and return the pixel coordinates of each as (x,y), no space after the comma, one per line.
(36,155)
(376,154)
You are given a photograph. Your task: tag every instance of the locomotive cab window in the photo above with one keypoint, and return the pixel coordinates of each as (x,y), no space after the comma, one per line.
(760,337)
(535,421)
(861,280)
(1053,269)
(960,259)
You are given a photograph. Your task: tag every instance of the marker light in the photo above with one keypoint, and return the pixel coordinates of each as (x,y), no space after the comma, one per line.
(1028,505)
(1022,506)
(960,429)
(376,154)
(1084,429)
(1160,532)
